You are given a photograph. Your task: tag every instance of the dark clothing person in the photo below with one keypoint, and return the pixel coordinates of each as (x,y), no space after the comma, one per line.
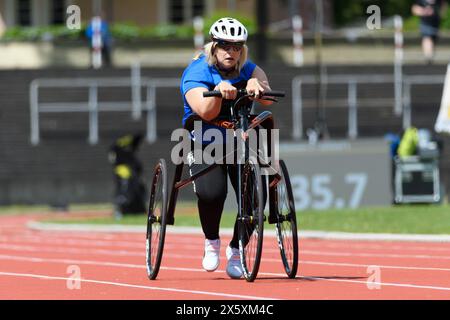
(429,25)
(130,193)
(106,40)
(429,12)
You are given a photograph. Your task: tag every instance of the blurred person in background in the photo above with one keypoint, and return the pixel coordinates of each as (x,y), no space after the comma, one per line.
(2,26)
(130,192)
(103,43)
(430,12)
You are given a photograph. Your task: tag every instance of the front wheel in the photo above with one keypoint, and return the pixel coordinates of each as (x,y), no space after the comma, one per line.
(156,219)
(251,220)
(286,224)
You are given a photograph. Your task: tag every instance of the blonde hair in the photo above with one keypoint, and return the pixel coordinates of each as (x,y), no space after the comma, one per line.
(211,59)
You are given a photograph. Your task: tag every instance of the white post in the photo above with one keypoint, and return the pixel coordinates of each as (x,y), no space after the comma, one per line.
(297,27)
(398,62)
(93,114)
(352,110)
(136,91)
(407,106)
(151,113)
(34,106)
(97,42)
(297,109)
(199,39)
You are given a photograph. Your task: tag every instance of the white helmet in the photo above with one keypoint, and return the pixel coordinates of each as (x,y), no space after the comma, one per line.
(228,29)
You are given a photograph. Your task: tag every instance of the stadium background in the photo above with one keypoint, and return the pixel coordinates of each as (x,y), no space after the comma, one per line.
(65,169)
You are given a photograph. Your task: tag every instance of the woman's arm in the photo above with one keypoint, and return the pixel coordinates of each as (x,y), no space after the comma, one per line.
(258,84)
(209,108)
(421,11)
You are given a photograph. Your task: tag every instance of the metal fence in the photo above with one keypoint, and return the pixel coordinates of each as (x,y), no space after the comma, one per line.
(401,99)
(136,105)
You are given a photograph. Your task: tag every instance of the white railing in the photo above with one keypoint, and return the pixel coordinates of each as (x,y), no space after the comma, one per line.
(352,101)
(93,106)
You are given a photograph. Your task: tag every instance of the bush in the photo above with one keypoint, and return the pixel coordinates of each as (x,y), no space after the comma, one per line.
(347,11)
(446,20)
(41,33)
(125,30)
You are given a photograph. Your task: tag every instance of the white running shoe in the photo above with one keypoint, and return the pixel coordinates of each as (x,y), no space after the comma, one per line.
(212,254)
(234,267)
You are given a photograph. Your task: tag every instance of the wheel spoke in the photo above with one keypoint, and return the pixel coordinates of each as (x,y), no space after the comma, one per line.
(156,219)
(286,225)
(251,226)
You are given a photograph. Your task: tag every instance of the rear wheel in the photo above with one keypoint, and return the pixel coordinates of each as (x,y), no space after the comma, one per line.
(156,219)
(251,221)
(286,225)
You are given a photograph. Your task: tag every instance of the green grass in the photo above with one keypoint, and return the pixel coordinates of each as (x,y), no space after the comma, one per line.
(424,219)
(417,219)
(37,209)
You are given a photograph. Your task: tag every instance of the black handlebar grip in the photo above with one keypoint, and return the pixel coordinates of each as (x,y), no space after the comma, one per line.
(207,94)
(274,94)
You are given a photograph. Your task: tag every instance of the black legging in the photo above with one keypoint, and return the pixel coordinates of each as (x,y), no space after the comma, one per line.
(211,190)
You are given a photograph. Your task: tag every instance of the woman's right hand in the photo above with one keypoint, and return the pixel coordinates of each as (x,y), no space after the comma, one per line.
(227,90)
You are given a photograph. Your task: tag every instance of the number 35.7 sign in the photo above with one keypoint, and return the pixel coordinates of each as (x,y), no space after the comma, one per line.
(349,175)
(317,192)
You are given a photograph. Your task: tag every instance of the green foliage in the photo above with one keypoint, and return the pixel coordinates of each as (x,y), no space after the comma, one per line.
(446,20)
(348,11)
(124,30)
(41,33)
(411,23)
(127,30)
(131,31)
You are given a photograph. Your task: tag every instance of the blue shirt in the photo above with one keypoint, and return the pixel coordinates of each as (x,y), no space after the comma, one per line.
(200,74)
(104,30)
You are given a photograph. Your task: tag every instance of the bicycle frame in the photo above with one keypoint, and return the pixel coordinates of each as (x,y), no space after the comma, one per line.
(240,118)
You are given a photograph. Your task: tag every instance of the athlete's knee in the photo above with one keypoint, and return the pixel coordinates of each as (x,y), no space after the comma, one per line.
(211,194)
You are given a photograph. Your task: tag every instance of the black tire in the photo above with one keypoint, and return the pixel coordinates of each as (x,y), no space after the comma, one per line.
(251,222)
(156,219)
(286,225)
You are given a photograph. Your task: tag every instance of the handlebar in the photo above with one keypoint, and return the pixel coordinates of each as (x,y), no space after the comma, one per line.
(243,92)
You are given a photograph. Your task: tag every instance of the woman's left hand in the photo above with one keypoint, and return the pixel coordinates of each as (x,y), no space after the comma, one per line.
(255,87)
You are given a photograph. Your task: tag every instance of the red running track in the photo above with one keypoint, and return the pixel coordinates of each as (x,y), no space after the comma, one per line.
(44,265)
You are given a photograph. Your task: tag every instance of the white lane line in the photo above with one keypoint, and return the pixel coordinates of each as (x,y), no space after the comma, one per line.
(141,266)
(127,285)
(303,234)
(126,253)
(386,246)
(405,285)
(372,255)
(78,242)
(199,246)
(356,265)
(190,257)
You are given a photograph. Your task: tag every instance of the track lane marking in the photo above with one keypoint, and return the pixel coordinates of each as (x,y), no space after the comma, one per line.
(129,265)
(139,253)
(127,285)
(69,261)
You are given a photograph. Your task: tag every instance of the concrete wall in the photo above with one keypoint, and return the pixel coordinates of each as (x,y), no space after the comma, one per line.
(144,12)
(65,168)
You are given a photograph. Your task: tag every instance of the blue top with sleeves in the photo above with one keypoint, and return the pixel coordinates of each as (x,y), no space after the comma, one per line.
(200,74)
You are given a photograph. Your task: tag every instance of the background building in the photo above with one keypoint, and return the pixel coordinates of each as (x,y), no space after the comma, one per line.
(144,12)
